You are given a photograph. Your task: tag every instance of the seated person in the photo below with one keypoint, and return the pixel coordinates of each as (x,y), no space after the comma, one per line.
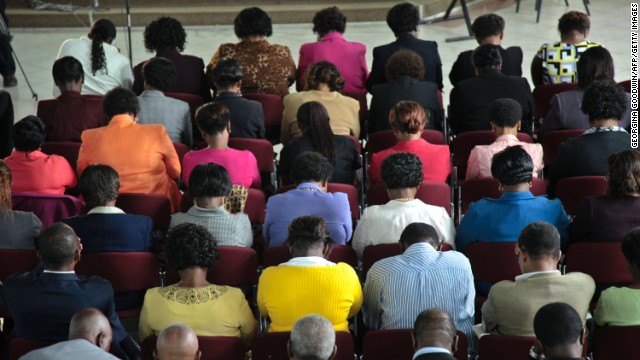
(142,155)
(560,333)
(557,62)
(18,229)
(68,115)
(488,29)
(609,217)
(312,337)
(383,224)
(209,309)
(323,84)
(317,136)
(408,119)
(405,76)
(502,220)
(595,63)
(247,116)
(620,306)
(106,228)
(28,164)
(311,173)
(156,108)
(6,124)
(604,102)
(512,305)
(166,37)
(209,185)
(434,336)
(177,341)
(470,98)
(308,283)
(505,115)
(214,123)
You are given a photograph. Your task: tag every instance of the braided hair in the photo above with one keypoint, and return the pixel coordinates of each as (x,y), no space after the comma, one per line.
(101,31)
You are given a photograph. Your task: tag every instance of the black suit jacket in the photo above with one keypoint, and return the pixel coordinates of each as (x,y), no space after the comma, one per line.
(463,66)
(436,356)
(428,50)
(247,116)
(470,100)
(113,232)
(586,155)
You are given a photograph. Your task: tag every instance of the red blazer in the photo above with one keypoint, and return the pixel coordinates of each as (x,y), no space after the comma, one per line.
(67,116)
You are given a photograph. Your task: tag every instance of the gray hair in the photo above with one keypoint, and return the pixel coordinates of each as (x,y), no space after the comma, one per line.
(313,338)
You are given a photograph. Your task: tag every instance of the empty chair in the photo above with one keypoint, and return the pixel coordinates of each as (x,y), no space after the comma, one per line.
(156,206)
(273,346)
(211,347)
(48,208)
(501,347)
(616,342)
(21,346)
(272,108)
(432,193)
(374,253)
(491,263)
(572,190)
(398,344)
(13,261)
(262,150)
(552,140)
(476,189)
(542,95)
(68,150)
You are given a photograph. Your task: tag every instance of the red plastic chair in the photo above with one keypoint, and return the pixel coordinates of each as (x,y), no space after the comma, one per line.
(273,346)
(501,347)
(277,255)
(272,108)
(542,95)
(194,102)
(552,140)
(21,346)
(126,271)
(476,189)
(66,149)
(211,347)
(603,261)
(572,190)
(156,206)
(382,140)
(48,208)
(616,342)
(398,344)
(373,253)
(13,261)
(432,193)
(463,143)
(181,150)
(260,148)
(350,190)
(256,206)
(626,85)
(363,114)
(492,262)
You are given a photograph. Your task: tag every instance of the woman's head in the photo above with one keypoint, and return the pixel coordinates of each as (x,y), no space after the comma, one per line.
(408,117)
(308,233)
(209,180)
(324,72)
(574,21)
(310,166)
(486,56)
(190,246)
(164,33)
(604,100)
(120,101)
(99,184)
(102,30)
(624,173)
(329,19)
(486,26)
(512,166)
(595,64)
(252,21)
(227,73)
(5,188)
(212,118)
(403,18)
(313,120)
(401,171)
(159,73)
(67,69)
(404,63)
(28,134)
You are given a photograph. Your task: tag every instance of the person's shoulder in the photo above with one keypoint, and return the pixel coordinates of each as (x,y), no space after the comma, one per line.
(345,269)
(191,58)
(578,277)
(278,49)
(502,287)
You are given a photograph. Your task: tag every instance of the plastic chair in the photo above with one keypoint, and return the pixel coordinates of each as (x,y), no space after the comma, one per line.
(181,150)
(432,193)
(13,261)
(272,108)
(262,150)
(492,262)
(21,346)
(194,102)
(273,346)
(552,140)
(398,344)
(256,206)
(382,140)
(66,149)
(156,206)
(373,253)
(572,190)
(501,347)
(463,143)
(542,96)
(350,190)
(476,189)
(616,342)
(277,255)
(211,347)
(48,208)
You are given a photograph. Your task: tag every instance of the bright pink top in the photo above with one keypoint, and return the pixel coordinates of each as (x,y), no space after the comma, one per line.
(436,164)
(241,165)
(348,57)
(37,172)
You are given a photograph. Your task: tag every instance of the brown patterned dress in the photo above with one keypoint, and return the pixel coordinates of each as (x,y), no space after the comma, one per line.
(267,68)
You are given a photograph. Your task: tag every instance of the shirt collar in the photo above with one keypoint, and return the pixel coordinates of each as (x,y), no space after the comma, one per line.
(121,120)
(308,186)
(196,210)
(534,273)
(57,272)
(332,35)
(430,350)
(156,93)
(419,247)
(307,261)
(595,130)
(507,137)
(105,210)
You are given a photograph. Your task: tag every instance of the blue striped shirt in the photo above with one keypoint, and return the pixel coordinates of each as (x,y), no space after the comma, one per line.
(399,288)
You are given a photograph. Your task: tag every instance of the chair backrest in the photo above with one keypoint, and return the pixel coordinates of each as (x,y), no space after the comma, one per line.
(212,347)
(194,101)
(616,342)
(463,143)
(603,261)
(13,261)
(552,140)
(397,344)
(626,85)
(373,253)
(277,255)
(273,346)
(432,193)
(272,108)
(542,95)
(237,266)
(256,206)
(260,148)
(382,140)
(493,262)
(48,208)
(126,271)
(156,206)
(363,114)
(181,150)
(66,149)
(350,190)
(500,347)
(476,189)
(572,190)
(21,346)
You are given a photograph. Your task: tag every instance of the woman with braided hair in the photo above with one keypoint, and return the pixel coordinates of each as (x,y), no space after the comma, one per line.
(104,66)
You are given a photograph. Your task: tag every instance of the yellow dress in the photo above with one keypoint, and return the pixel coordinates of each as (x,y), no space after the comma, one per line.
(213,310)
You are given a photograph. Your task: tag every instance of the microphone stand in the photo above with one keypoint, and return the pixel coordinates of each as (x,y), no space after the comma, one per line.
(128,7)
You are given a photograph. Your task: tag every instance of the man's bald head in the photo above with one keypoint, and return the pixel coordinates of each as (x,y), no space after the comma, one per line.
(91,324)
(177,342)
(435,328)
(58,246)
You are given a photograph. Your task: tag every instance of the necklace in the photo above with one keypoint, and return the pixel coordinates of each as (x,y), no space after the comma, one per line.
(406,199)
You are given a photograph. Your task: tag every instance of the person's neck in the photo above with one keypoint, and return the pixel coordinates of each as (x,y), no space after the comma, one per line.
(434,344)
(545,264)
(321,184)
(405,136)
(111,203)
(490,40)
(500,131)
(317,251)
(522,187)
(323,87)
(68,267)
(603,123)
(71,86)
(573,38)
(412,33)
(209,202)
(255,38)
(194,277)
(402,194)
(564,351)
(218,141)
(232,89)
(149,87)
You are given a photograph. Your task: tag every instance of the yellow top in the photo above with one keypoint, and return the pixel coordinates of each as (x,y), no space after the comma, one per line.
(213,310)
(288,293)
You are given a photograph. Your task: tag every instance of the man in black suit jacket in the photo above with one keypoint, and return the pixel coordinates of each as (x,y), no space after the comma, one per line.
(403,20)
(605,103)
(559,333)
(247,116)
(470,98)
(42,303)
(434,335)
(488,29)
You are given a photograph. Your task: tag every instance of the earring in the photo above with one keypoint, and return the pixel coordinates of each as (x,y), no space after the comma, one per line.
(500,187)
(530,184)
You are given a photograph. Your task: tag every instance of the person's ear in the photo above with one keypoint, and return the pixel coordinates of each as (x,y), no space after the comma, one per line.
(155,354)
(501,35)
(413,341)
(240,83)
(499,67)
(289,351)
(559,256)
(229,127)
(582,336)
(100,340)
(325,185)
(519,125)
(454,344)
(198,355)
(333,354)
(493,125)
